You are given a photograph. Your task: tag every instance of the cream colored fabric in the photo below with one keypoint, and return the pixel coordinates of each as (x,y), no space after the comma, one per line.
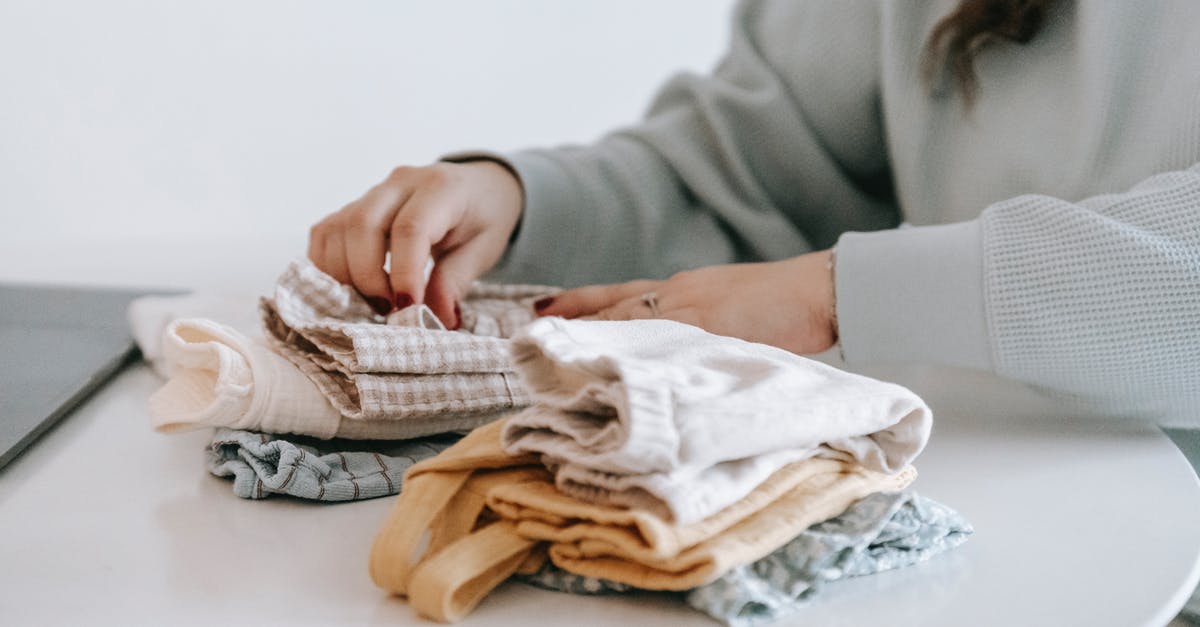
(370,370)
(148,316)
(219,377)
(666,417)
(473,515)
(641,549)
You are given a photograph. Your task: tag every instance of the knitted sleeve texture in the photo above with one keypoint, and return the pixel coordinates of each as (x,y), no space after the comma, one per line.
(1101,298)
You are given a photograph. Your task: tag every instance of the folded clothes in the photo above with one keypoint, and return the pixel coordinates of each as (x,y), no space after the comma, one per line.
(149,315)
(221,378)
(879,532)
(262,465)
(411,370)
(332,367)
(663,416)
(470,517)
(638,548)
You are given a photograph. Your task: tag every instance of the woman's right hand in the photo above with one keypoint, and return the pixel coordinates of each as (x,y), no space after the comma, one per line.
(459,214)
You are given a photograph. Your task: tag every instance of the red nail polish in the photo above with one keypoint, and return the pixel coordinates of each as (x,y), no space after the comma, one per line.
(457,318)
(403,300)
(543,303)
(381,305)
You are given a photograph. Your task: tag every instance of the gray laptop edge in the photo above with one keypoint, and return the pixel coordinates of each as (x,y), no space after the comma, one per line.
(59,345)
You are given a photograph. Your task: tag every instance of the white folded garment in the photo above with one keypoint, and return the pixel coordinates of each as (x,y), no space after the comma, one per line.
(665,416)
(149,315)
(224,374)
(222,378)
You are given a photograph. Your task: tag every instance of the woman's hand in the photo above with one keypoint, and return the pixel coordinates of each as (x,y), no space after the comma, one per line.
(789,303)
(460,214)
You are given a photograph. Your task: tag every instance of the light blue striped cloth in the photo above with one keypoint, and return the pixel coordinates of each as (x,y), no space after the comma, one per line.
(263,464)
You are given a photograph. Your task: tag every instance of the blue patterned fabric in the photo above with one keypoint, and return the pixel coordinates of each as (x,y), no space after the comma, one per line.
(263,464)
(877,533)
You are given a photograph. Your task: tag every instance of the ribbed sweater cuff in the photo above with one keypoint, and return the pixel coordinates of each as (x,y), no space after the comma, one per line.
(550,230)
(913,295)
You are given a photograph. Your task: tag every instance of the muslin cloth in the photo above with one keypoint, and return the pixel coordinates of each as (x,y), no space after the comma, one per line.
(149,315)
(665,417)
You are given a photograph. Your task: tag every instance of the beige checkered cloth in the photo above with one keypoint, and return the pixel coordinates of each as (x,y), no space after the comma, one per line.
(409,368)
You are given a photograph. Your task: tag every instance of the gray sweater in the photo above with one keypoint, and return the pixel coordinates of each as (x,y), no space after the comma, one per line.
(1055,225)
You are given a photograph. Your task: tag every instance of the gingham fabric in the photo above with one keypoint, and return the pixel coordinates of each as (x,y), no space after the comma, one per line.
(406,366)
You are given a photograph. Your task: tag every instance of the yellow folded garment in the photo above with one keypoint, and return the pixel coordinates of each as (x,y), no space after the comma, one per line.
(641,549)
(472,516)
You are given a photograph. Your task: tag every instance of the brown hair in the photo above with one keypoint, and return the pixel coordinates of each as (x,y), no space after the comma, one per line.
(959,36)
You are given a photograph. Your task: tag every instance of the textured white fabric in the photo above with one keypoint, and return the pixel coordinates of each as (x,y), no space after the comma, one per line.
(149,315)
(664,416)
(221,378)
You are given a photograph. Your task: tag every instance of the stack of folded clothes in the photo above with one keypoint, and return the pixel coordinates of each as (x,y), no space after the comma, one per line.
(658,456)
(330,366)
(599,457)
(880,532)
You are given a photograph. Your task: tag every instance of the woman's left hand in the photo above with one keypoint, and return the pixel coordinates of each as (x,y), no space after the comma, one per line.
(789,303)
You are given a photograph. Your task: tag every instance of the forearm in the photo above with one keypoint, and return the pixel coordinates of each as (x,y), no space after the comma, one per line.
(609,212)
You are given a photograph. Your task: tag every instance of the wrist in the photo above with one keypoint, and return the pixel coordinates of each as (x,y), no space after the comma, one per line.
(500,185)
(812,274)
(831,302)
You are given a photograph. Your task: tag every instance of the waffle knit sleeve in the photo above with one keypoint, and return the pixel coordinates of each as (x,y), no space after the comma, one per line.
(1098,299)
(748,163)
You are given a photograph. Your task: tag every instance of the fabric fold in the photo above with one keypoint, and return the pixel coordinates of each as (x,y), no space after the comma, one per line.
(409,368)
(262,465)
(664,416)
(880,532)
(149,315)
(638,548)
(221,378)
(514,497)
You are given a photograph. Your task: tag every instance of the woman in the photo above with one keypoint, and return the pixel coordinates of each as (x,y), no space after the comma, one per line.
(1044,152)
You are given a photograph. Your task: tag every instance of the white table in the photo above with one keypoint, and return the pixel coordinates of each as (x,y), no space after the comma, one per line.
(1079,521)
(128,162)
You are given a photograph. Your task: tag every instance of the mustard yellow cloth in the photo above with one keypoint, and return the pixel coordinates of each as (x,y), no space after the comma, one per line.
(472,516)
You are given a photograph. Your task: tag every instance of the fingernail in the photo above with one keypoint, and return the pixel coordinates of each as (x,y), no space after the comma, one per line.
(457,318)
(403,300)
(381,305)
(543,303)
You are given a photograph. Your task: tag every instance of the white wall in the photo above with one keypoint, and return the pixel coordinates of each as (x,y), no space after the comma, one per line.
(175,143)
